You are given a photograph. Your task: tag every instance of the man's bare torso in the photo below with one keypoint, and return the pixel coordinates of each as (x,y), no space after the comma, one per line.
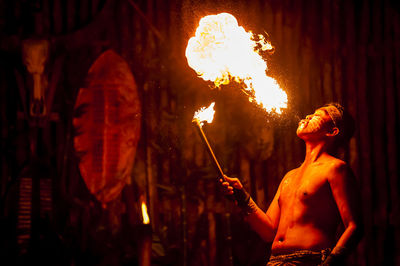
(308,212)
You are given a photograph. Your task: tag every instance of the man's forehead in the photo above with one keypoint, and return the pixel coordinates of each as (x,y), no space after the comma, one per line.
(322,109)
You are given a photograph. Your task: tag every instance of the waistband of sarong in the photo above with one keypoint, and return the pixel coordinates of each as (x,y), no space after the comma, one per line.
(301,254)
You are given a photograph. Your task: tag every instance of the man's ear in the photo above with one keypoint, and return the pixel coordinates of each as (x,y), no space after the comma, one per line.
(334,132)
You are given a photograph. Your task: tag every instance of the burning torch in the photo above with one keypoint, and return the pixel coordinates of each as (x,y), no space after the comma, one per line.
(207,115)
(199,118)
(144,238)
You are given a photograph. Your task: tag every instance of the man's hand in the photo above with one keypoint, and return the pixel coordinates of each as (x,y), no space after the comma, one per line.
(337,257)
(229,184)
(232,186)
(258,219)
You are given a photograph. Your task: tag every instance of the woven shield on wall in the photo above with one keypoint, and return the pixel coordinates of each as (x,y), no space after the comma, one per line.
(107,117)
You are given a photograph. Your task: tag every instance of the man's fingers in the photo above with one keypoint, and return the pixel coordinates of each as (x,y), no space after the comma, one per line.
(233,181)
(238,185)
(229,191)
(229,183)
(225,184)
(230,179)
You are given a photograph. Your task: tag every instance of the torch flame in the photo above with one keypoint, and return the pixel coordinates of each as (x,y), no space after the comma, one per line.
(146,219)
(221,50)
(205,114)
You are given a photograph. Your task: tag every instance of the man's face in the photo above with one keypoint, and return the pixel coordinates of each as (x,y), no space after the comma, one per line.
(316,124)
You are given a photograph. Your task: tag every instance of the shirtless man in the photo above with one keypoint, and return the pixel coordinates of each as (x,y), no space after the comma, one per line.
(311,200)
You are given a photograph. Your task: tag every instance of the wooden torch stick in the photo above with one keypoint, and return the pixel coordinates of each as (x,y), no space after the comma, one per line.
(239,195)
(196,122)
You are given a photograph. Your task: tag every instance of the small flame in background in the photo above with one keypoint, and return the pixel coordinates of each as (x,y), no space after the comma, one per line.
(146,219)
(221,50)
(205,114)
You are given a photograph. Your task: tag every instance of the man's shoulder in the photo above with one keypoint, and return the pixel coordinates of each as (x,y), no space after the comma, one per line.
(335,164)
(337,168)
(290,173)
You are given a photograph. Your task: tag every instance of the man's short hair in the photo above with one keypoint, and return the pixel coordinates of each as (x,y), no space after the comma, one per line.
(343,120)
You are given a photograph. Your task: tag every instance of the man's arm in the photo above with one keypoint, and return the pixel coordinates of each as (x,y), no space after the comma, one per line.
(345,192)
(265,224)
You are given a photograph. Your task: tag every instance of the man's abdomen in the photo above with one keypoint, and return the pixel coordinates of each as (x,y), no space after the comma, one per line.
(302,237)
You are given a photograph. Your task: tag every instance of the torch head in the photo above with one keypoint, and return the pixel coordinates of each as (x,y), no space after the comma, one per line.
(204,115)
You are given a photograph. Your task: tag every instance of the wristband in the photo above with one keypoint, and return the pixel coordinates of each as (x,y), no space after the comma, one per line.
(241,196)
(336,257)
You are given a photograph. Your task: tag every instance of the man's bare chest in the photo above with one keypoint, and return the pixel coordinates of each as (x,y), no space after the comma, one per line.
(306,186)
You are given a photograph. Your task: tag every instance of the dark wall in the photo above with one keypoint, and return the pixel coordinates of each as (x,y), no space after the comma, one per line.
(345,51)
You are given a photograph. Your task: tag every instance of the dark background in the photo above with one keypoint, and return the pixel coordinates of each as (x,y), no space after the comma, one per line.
(333,50)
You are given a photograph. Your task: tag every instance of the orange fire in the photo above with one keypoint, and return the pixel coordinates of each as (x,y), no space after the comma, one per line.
(222,51)
(145,216)
(205,114)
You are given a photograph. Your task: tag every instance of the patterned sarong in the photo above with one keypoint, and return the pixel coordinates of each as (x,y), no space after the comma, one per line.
(301,257)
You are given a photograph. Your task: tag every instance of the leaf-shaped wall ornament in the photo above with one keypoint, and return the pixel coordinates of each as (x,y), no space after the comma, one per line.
(107,117)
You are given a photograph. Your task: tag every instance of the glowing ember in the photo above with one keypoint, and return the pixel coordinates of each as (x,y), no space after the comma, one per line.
(146,219)
(205,114)
(222,51)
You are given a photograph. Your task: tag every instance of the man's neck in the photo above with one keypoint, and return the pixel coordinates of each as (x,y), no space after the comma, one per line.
(314,151)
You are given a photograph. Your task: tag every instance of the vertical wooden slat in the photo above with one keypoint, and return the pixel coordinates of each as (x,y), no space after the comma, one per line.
(316,35)
(212,241)
(395,22)
(326,56)
(293,62)
(307,56)
(124,19)
(60,139)
(350,95)
(392,203)
(294,49)
(391,117)
(71,11)
(46,198)
(3,14)
(291,65)
(244,173)
(337,44)
(349,88)
(137,36)
(396,41)
(377,104)
(363,134)
(4,124)
(46,14)
(84,12)
(57,16)
(259,178)
(150,121)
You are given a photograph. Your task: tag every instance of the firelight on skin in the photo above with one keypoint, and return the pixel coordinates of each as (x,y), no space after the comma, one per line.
(313,123)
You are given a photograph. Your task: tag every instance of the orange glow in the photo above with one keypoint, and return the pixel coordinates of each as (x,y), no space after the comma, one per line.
(222,51)
(205,114)
(146,218)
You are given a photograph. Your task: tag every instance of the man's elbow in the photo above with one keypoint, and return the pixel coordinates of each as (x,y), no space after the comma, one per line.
(357,229)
